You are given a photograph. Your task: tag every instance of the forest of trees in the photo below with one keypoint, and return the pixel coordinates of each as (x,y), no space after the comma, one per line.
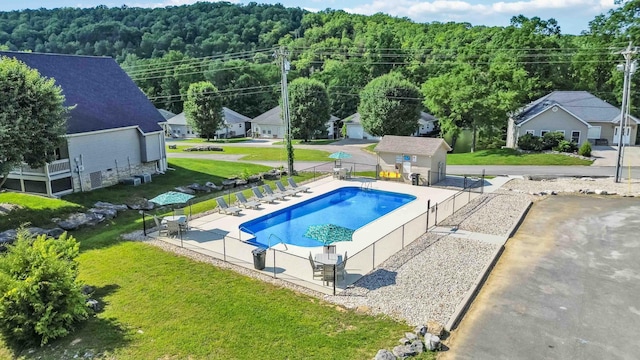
(493,70)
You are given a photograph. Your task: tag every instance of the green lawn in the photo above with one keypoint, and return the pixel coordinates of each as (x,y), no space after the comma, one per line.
(220,141)
(162,306)
(512,157)
(266,153)
(370,148)
(310,142)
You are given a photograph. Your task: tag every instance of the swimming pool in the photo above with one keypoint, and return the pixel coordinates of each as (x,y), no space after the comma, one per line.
(349,207)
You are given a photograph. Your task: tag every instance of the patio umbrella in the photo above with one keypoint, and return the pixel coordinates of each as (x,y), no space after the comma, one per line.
(339,156)
(329,233)
(171,197)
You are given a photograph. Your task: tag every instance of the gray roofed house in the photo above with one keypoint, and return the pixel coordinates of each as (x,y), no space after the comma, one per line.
(426,125)
(581,116)
(113,131)
(271,125)
(410,155)
(235,125)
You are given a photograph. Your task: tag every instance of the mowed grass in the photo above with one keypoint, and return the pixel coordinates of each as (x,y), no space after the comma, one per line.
(217,141)
(262,153)
(158,305)
(310,142)
(36,210)
(512,157)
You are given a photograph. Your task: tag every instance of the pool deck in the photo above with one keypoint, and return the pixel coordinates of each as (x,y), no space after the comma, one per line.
(217,234)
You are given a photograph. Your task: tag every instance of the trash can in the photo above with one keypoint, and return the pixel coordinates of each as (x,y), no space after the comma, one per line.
(415,179)
(259,258)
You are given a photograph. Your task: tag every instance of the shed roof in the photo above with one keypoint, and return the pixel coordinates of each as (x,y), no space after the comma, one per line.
(411,145)
(104,95)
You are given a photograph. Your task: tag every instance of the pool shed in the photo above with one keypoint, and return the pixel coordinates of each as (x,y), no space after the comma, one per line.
(407,155)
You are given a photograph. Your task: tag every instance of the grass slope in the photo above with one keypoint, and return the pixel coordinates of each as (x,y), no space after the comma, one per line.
(512,157)
(264,153)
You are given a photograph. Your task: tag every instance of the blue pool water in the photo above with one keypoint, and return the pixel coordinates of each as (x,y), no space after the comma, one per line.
(350,207)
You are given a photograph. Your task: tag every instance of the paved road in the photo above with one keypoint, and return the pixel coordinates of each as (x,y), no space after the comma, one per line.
(566,287)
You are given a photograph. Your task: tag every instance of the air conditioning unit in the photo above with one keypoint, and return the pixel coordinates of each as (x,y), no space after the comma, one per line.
(131,181)
(144,178)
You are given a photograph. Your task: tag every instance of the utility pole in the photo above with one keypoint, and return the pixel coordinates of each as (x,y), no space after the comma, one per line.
(628,68)
(282,56)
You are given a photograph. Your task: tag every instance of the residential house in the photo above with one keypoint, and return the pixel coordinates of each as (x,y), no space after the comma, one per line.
(579,115)
(166,114)
(271,125)
(356,131)
(408,155)
(235,125)
(113,130)
(334,128)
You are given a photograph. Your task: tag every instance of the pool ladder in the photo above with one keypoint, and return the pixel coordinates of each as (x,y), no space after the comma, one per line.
(366,185)
(280,241)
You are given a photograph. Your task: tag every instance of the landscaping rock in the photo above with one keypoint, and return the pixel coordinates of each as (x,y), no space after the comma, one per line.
(417,347)
(384,354)
(106,205)
(140,204)
(87,290)
(212,186)
(36,231)
(404,341)
(198,187)
(435,328)
(241,182)
(420,330)
(203,148)
(74,221)
(8,237)
(254,178)
(411,336)
(93,304)
(106,212)
(6,208)
(404,351)
(55,232)
(600,192)
(431,342)
(184,189)
(229,183)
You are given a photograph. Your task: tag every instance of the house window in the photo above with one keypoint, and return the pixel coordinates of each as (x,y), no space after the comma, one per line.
(269,132)
(542,132)
(240,126)
(265,131)
(532,132)
(575,137)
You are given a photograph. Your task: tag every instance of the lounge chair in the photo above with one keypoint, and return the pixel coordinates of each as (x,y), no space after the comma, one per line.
(318,269)
(226,209)
(293,185)
(269,191)
(261,197)
(284,190)
(242,201)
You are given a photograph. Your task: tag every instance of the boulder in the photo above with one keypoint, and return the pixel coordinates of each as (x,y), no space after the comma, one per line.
(77,220)
(55,232)
(417,347)
(254,178)
(434,328)
(106,205)
(411,336)
(184,189)
(404,341)
(384,354)
(403,351)
(241,182)
(140,204)
(93,304)
(107,213)
(600,192)
(212,186)
(8,237)
(36,231)
(431,342)
(87,290)
(198,187)
(229,183)
(420,330)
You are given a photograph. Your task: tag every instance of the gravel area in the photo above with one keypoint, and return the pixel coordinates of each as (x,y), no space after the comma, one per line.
(572,185)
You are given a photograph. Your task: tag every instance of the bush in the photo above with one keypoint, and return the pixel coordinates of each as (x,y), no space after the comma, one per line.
(551,140)
(566,146)
(40,299)
(585,149)
(530,142)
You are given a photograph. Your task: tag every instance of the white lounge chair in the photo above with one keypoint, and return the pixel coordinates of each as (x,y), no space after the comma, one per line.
(223,207)
(293,185)
(278,195)
(242,201)
(284,190)
(261,197)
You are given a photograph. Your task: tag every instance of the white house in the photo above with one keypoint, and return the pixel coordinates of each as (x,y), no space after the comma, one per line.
(356,131)
(113,131)
(427,124)
(579,115)
(235,125)
(271,125)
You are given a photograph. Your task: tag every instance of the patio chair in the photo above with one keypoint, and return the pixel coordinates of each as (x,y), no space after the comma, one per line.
(341,267)
(284,190)
(226,209)
(261,197)
(269,191)
(181,212)
(293,185)
(329,249)
(173,227)
(162,228)
(318,269)
(242,201)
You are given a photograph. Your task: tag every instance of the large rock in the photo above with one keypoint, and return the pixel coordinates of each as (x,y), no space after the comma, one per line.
(229,183)
(212,186)
(410,336)
(241,182)
(36,231)
(106,205)
(107,213)
(186,190)
(8,237)
(431,342)
(140,204)
(435,328)
(77,220)
(254,178)
(404,351)
(417,346)
(384,354)
(198,187)
(55,232)
(420,330)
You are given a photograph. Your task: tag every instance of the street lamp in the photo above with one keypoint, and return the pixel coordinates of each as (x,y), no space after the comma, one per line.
(629,68)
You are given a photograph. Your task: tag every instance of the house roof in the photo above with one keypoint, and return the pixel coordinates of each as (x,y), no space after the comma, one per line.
(355,118)
(410,145)
(166,114)
(229,116)
(104,95)
(274,117)
(581,104)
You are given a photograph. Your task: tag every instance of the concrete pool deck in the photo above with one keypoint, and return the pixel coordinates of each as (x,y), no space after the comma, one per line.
(218,235)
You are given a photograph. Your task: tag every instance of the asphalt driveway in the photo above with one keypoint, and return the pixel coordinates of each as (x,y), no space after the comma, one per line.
(566,287)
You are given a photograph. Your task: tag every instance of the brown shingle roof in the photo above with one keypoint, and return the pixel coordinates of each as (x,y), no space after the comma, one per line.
(410,145)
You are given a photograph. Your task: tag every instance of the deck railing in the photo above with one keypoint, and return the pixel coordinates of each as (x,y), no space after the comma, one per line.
(54,168)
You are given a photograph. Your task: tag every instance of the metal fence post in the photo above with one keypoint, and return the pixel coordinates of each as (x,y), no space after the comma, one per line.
(373,258)
(454,204)
(403,236)
(436,220)
(428,209)
(335,278)
(224,248)
(482,189)
(274,263)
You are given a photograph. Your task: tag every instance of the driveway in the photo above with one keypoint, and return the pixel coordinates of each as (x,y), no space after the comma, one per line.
(608,155)
(566,287)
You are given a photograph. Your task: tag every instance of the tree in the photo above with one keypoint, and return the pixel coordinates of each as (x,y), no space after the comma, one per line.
(390,105)
(32,119)
(309,107)
(203,108)
(40,297)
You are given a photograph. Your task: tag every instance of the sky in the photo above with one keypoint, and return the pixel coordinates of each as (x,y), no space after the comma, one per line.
(573,16)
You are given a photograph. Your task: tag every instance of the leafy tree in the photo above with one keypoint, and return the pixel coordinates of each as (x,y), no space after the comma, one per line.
(33,117)
(41,299)
(203,108)
(390,105)
(309,107)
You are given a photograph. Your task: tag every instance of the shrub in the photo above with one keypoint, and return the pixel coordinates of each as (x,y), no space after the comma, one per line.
(40,299)
(530,142)
(566,146)
(551,140)
(585,149)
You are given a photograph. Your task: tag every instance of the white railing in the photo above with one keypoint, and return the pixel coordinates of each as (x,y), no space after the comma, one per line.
(54,168)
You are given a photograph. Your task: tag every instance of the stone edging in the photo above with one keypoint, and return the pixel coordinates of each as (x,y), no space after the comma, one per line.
(471,294)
